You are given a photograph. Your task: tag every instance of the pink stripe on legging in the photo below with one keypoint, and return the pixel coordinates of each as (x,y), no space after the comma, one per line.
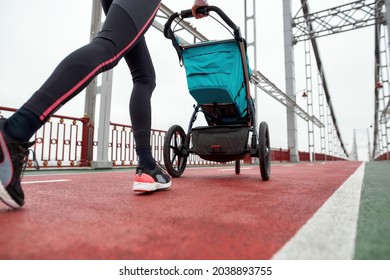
(100,66)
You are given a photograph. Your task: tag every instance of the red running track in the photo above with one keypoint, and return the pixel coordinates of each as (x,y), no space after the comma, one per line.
(208,213)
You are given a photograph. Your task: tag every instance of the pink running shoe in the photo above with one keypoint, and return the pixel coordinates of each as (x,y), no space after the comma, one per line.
(151,180)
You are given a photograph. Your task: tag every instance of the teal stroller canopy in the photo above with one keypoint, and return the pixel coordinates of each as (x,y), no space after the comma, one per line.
(215,74)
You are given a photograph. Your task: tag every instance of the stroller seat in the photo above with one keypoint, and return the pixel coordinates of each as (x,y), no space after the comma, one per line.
(216,80)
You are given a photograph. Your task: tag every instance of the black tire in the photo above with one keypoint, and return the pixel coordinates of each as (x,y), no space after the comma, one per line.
(237,167)
(174,160)
(264,151)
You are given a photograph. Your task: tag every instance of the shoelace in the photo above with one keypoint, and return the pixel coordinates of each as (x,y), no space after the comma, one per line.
(23,160)
(163,169)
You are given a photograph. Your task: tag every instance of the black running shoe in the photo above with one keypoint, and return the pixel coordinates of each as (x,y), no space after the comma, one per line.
(13,156)
(151,180)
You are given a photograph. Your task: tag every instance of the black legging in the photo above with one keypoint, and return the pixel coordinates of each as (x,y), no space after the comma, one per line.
(122,35)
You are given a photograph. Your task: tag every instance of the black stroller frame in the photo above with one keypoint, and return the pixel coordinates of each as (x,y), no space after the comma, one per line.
(226,138)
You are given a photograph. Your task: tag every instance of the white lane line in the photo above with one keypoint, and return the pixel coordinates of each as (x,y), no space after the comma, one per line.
(331,233)
(46,181)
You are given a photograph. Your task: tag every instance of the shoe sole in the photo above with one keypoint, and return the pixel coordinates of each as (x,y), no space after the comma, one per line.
(149,187)
(7,199)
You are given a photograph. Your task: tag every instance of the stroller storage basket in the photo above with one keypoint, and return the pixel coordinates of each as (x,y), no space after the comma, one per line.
(220,143)
(215,74)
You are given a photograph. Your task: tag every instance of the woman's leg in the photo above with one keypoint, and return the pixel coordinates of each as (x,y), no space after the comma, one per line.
(144,82)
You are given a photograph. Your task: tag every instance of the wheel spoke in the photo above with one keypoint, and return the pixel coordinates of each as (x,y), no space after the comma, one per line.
(176,149)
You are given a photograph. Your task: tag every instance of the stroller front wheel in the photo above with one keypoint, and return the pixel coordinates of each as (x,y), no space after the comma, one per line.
(174,160)
(237,167)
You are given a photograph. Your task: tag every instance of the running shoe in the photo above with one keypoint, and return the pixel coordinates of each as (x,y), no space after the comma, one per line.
(151,180)
(13,156)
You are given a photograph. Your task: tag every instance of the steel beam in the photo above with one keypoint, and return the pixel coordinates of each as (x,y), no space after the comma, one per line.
(272,90)
(105,91)
(289,63)
(335,20)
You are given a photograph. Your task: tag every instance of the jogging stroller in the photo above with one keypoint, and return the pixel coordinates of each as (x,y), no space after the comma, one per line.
(218,79)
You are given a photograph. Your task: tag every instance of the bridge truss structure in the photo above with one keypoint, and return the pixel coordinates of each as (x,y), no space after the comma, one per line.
(347,17)
(305,27)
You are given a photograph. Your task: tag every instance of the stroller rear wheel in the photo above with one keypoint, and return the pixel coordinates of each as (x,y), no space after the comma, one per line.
(175,160)
(264,151)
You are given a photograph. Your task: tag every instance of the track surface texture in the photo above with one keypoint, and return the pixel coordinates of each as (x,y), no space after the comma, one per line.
(208,213)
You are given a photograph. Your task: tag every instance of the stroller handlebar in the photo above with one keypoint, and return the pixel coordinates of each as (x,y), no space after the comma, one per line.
(168,33)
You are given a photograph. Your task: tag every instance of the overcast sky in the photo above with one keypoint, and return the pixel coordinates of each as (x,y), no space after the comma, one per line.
(37,34)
